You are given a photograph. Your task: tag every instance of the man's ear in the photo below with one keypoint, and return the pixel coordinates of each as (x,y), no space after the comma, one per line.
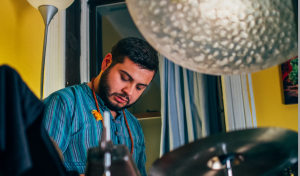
(106,62)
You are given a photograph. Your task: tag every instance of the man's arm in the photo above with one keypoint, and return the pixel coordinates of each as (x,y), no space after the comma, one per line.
(57,120)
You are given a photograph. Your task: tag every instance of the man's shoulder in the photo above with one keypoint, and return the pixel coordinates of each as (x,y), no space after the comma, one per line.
(66,95)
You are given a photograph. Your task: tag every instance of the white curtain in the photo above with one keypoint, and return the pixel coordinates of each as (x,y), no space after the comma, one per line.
(188,105)
(239,104)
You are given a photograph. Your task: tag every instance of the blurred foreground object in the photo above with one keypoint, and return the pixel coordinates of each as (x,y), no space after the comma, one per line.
(219,37)
(25,147)
(109,159)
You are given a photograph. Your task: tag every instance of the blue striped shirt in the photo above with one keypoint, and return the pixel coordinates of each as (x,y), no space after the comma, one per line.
(69,121)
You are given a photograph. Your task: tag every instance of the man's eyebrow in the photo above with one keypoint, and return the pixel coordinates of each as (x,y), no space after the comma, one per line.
(127,75)
(146,85)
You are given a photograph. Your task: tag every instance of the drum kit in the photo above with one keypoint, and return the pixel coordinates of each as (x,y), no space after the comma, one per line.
(251,152)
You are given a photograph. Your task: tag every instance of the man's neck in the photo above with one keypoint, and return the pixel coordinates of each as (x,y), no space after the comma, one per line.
(96,88)
(113,113)
(96,83)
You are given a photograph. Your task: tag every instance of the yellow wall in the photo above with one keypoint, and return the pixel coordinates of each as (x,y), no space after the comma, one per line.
(21,40)
(270,110)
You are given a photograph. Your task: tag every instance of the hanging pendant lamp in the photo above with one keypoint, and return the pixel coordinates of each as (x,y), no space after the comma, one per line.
(219,36)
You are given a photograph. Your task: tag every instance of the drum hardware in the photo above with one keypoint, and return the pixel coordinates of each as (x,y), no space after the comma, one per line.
(109,159)
(225,161)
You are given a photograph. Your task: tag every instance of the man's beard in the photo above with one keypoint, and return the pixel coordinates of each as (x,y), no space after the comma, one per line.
(104,90)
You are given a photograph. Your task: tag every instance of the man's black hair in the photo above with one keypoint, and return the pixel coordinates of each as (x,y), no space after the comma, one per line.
(137,50)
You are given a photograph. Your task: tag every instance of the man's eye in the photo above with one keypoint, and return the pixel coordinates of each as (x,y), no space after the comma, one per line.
(124,78)
(139,88)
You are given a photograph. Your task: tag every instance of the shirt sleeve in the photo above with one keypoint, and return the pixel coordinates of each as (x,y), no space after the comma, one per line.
(57,120)
(142,160)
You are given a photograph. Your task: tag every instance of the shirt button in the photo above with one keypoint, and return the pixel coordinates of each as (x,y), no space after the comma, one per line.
(116,133)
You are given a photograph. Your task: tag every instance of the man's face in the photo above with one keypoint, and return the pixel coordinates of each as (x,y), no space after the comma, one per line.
(121,85)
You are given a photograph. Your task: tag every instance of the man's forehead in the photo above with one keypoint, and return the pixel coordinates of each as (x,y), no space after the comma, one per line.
(136,71)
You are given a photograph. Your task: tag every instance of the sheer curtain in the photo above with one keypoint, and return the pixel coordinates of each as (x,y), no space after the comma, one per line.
(188,107)
(239,102)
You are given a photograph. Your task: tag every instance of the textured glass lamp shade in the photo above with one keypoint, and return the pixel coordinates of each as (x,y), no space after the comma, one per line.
(219,36)
(59,4)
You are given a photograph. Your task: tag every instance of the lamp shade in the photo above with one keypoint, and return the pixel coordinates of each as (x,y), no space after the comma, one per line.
(217,36)
(59,4)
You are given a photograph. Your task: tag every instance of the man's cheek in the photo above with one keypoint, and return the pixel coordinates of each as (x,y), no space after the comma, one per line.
(116,86)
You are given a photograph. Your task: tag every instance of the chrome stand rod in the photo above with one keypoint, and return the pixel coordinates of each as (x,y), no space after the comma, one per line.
(47,12)
(43,63)
(107,155)
(228,168)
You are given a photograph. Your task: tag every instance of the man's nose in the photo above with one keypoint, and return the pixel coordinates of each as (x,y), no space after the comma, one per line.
(129,90)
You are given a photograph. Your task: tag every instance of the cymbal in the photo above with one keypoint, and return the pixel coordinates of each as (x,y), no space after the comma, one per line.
(252,152)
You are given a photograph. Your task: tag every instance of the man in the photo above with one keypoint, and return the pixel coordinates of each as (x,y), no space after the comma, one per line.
(72,114)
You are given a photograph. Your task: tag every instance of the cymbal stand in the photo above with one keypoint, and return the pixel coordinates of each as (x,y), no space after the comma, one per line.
(228,167)
(228,158)
(107,155)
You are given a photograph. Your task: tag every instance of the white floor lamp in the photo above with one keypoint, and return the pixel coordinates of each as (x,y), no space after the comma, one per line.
(48,8)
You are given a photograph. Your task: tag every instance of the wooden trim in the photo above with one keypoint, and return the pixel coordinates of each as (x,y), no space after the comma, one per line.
(73,49)
(147,114)
(92,21)
(221,107)
(84,42)
(245,94)
(254,122)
